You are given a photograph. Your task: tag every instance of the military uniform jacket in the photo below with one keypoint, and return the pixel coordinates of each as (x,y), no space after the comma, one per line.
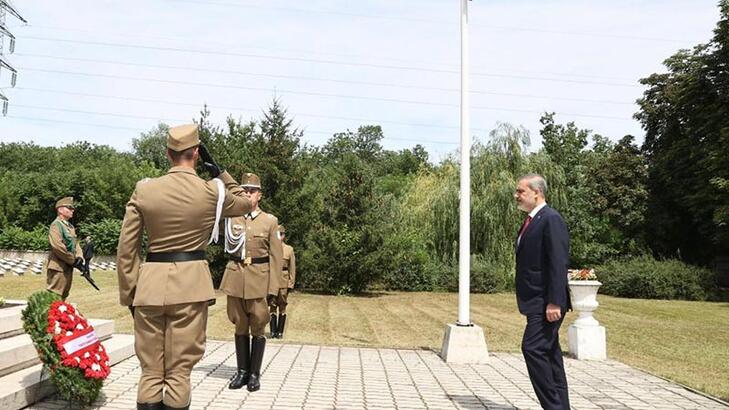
(60,258)
(177,211)
(289,266)
(257,280)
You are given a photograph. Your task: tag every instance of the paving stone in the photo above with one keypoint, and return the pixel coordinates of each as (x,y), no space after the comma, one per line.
(326,377)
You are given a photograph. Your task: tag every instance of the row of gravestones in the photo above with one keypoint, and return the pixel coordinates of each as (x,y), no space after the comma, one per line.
(19,267)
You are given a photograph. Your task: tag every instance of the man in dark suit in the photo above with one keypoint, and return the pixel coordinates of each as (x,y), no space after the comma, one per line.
(542,260)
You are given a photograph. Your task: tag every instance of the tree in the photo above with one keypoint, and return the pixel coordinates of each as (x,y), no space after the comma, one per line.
(685,113)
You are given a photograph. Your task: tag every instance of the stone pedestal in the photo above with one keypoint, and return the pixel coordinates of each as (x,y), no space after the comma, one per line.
(586,338)
(464,345)
(587,343)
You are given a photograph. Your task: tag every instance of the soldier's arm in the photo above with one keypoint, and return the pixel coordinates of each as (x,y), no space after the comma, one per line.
(292,270)
(58,247)
(235,204)
(275,252)
(129,249)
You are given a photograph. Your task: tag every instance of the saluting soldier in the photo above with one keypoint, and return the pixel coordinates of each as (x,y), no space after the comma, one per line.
(288,278)
(252,274)
(168,294)
(65,251)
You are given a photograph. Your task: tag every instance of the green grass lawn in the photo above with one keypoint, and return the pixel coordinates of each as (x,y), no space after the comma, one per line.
(687,342)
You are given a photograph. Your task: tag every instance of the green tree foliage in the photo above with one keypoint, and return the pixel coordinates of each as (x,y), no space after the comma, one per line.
(685,113)
(33,178)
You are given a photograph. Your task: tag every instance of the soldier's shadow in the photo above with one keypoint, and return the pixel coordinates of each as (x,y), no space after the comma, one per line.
(473,402)
(218,371)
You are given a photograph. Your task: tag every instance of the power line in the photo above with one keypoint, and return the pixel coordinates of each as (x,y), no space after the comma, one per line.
(188,41)
(223,107)
(321,61)
(400,19)
(316,94)
(291,77)
(421,141)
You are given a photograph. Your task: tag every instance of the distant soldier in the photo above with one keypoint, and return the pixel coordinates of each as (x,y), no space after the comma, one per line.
(65,251)
(168,294)
(252,274)
(288,278)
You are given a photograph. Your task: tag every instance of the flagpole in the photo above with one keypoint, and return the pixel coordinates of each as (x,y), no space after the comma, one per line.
(464,237)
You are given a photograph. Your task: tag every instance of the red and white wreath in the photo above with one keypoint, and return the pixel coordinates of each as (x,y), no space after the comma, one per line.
(76,341)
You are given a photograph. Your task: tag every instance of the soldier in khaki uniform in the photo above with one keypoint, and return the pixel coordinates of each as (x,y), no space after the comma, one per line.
(252,274)
(65,251)
(168,294)
(288,278)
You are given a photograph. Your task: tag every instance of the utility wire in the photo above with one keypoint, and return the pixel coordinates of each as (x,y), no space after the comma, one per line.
(322,61)
(310,93)
(304,78)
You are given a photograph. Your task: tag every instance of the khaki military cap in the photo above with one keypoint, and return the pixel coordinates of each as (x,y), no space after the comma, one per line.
(282,229)
(67,201)
(249,180)
(183,137)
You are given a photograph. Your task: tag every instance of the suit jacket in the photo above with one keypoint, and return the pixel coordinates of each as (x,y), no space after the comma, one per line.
(177,211)
(542,260)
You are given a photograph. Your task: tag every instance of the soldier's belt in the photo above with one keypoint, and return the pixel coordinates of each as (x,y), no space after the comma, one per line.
(176,256)
(251,261)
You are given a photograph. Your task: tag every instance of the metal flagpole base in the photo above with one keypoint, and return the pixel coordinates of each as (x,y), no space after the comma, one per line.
(464,345)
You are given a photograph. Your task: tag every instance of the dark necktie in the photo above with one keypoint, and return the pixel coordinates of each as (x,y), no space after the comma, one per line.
(524,226)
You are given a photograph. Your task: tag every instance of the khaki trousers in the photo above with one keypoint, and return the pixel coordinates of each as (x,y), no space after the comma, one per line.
(169,341)
(250,316)
(59,282)
(280,301)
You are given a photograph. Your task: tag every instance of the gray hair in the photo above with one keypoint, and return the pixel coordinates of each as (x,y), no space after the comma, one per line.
(537,183)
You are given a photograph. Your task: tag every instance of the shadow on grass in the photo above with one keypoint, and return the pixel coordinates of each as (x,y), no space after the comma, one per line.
(373,294)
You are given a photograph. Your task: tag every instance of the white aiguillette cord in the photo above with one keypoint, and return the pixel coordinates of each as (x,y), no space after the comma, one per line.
(218,211)
(236,240)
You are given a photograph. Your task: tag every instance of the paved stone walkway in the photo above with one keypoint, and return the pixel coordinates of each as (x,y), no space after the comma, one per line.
(322,377)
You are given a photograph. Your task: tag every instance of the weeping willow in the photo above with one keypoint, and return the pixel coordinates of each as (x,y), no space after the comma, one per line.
(431,206)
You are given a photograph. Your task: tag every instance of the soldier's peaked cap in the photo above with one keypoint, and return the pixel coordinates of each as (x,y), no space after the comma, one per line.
(249,180)
(183,137)
(67,201)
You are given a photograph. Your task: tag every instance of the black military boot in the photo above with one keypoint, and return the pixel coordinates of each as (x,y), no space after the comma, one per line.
(257,348)
(166,407)
(243,358)
(281,325)
(150,406)
(274,325)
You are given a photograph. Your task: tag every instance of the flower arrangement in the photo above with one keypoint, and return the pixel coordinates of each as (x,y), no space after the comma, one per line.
(581,274)
(67,346)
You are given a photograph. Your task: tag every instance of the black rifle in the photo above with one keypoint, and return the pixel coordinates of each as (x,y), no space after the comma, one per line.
(88,252)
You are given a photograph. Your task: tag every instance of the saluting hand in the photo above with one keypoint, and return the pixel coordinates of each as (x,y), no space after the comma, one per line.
(554,312)
(208,162)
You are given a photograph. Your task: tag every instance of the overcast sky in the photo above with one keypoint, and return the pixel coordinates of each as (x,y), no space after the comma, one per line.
(104,71)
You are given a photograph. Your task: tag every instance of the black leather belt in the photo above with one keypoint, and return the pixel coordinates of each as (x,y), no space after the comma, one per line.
(176,256)
(251,261)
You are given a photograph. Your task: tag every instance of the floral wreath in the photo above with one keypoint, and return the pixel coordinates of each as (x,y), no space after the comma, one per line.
(67,345)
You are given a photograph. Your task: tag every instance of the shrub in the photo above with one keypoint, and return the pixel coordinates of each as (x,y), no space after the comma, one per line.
(13,237)
(104,233)
(648,278)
